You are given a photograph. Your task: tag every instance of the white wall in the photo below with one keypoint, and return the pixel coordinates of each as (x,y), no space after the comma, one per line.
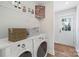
(47,26)
(58,35)
(77,29)
(12,17)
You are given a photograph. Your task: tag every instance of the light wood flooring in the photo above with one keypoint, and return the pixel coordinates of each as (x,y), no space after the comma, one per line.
(63,51)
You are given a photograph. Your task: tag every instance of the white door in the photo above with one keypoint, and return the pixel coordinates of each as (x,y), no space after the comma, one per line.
(65,27)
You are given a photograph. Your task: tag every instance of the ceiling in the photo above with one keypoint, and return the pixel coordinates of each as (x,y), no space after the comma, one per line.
(63,5)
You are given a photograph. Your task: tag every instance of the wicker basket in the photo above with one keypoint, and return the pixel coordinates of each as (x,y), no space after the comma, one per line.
(17,34)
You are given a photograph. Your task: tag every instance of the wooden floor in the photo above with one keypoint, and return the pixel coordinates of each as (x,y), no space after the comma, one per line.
(64,51)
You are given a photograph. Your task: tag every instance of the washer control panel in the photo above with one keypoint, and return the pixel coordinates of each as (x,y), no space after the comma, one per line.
(18,45)
(42,38)
(21,45)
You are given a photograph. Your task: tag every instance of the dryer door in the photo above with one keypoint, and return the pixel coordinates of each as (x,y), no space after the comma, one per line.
(41,52)
(26,54)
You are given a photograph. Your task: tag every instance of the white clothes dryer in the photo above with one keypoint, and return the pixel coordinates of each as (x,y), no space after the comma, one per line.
(40,46)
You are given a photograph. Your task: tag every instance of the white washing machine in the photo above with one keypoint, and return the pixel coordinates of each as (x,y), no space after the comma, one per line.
(40,46)
(23,48)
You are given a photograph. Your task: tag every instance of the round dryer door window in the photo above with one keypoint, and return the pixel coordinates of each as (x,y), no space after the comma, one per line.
(41,52)
(26,54)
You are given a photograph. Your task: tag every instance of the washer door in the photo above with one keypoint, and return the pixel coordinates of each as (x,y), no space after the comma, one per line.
(41,52)
(26,54)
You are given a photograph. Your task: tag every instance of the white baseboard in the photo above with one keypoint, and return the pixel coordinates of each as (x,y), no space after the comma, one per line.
(51,52)
(77,50)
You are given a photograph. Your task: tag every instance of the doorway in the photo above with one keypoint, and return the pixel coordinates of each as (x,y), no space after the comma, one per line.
(65,27)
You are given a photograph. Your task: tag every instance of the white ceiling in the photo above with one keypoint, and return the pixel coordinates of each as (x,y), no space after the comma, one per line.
(63,5)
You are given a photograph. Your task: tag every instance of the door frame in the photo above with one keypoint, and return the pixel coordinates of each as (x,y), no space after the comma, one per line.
(74,33)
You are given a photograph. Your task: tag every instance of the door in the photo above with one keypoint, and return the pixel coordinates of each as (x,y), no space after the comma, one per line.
(65,27)
(26,54)
(42,50)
